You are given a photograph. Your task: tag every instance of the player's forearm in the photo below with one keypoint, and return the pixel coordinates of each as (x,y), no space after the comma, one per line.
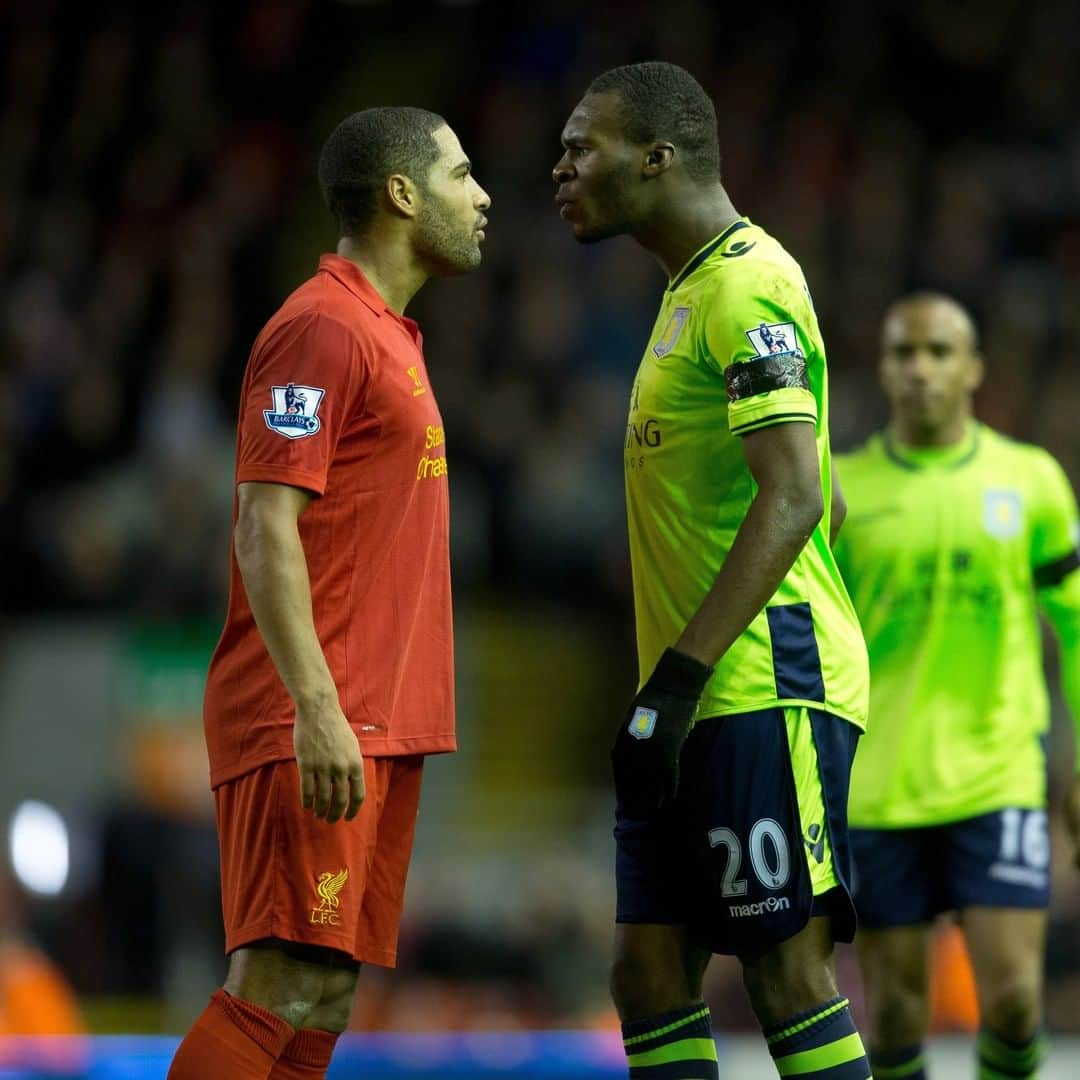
(1070,682)
(773,533)
(1062,607)
(836,519)
(838,507)
(274,569)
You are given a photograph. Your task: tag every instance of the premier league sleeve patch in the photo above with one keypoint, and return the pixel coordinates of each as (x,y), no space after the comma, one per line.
(778,365)
(775,339)
(295,411)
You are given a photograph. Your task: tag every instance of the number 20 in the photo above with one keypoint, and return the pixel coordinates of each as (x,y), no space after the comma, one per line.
(773,872)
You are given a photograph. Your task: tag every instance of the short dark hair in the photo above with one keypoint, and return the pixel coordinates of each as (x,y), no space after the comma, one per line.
(366,148)
(658,100)
(935,296)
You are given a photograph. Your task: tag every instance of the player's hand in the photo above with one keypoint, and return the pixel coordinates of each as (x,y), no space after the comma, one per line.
(330,763)
(1072,817)
(645,757)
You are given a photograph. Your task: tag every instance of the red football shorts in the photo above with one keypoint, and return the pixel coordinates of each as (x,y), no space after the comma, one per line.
(288,874)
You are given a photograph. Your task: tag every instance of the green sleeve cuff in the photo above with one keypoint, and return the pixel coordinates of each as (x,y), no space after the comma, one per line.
(776,407)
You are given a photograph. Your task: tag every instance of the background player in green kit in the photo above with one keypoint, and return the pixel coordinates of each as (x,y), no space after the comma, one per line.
(730,837)
(954,539)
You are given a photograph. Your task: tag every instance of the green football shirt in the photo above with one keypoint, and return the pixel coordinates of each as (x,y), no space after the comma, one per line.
(945,553)
(735,348)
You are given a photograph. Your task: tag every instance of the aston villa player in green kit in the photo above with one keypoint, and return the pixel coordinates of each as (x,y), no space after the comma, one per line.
(956,538)
(731,766)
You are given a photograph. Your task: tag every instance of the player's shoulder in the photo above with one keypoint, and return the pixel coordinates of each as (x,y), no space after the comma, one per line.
(1027,458)
(753,286)
(306,331)
(311,310)
(751,261)
(862,458)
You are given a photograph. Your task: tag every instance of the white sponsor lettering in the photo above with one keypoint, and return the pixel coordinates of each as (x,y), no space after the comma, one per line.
(770,906)
(1018,875)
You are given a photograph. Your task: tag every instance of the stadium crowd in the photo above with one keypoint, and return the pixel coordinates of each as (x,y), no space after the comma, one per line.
(158,199)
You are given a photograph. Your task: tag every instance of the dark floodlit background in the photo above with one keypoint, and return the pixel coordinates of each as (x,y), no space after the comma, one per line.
(158,200)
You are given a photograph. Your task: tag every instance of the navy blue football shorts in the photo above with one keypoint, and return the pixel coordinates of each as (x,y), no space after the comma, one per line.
(755,842)
(904,877)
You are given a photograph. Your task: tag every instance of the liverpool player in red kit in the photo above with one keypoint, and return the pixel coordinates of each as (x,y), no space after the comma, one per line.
(333,676)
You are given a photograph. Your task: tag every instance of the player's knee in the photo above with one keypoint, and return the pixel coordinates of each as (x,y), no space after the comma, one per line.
(776,995)
(293,1004)
(331,1015)
(335,1007)
(1012,1010)
(640,988)
(265,977)
(791,977)
(899,1013)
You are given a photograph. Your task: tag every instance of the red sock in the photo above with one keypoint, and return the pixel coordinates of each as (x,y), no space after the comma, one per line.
(231,1040)
(307,1057)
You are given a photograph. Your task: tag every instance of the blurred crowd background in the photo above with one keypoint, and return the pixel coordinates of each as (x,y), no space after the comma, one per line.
(158,200)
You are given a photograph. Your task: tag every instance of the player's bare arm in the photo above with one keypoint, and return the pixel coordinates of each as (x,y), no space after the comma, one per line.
(274,568)
(1072,817)
(783,460)
(1061,605)
(1069,647)
(839,506)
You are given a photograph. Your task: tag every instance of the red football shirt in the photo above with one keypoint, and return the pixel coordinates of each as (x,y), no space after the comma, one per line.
(336,400)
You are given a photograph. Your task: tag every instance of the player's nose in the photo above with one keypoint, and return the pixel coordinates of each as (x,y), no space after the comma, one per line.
(921,364)
(562,173)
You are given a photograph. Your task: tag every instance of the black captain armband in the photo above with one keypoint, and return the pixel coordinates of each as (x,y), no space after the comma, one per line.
(1054,573)
(781,371)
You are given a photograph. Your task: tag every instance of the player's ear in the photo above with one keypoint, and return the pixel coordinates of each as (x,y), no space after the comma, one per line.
(976,371)
(402,195)
(658,159)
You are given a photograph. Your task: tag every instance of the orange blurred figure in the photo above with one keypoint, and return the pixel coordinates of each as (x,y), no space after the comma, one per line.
(35,998)
(954,1005)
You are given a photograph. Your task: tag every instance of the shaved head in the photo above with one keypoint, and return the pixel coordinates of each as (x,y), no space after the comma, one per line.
(941,309)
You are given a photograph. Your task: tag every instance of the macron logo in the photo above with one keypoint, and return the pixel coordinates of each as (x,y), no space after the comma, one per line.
(770,906)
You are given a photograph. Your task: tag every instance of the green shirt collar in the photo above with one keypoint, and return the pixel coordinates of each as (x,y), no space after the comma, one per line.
(704,252)
(928,457)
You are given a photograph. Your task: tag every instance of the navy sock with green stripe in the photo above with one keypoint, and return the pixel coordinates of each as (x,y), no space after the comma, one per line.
(820,1044)
(906,1064)
(999,1060)
(673,1046)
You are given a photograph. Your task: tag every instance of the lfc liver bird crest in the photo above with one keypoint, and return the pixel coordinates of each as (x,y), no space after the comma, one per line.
(328,888)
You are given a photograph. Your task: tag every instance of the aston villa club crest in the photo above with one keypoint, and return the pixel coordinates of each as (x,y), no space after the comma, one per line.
(1003,515)
(643,722)
(671,332)
(295,411)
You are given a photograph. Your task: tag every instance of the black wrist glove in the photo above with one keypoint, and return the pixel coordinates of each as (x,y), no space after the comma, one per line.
(645,757)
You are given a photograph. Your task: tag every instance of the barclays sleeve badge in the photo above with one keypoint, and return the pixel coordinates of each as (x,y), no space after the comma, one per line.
(768,339)
(643,722)
(295,410)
